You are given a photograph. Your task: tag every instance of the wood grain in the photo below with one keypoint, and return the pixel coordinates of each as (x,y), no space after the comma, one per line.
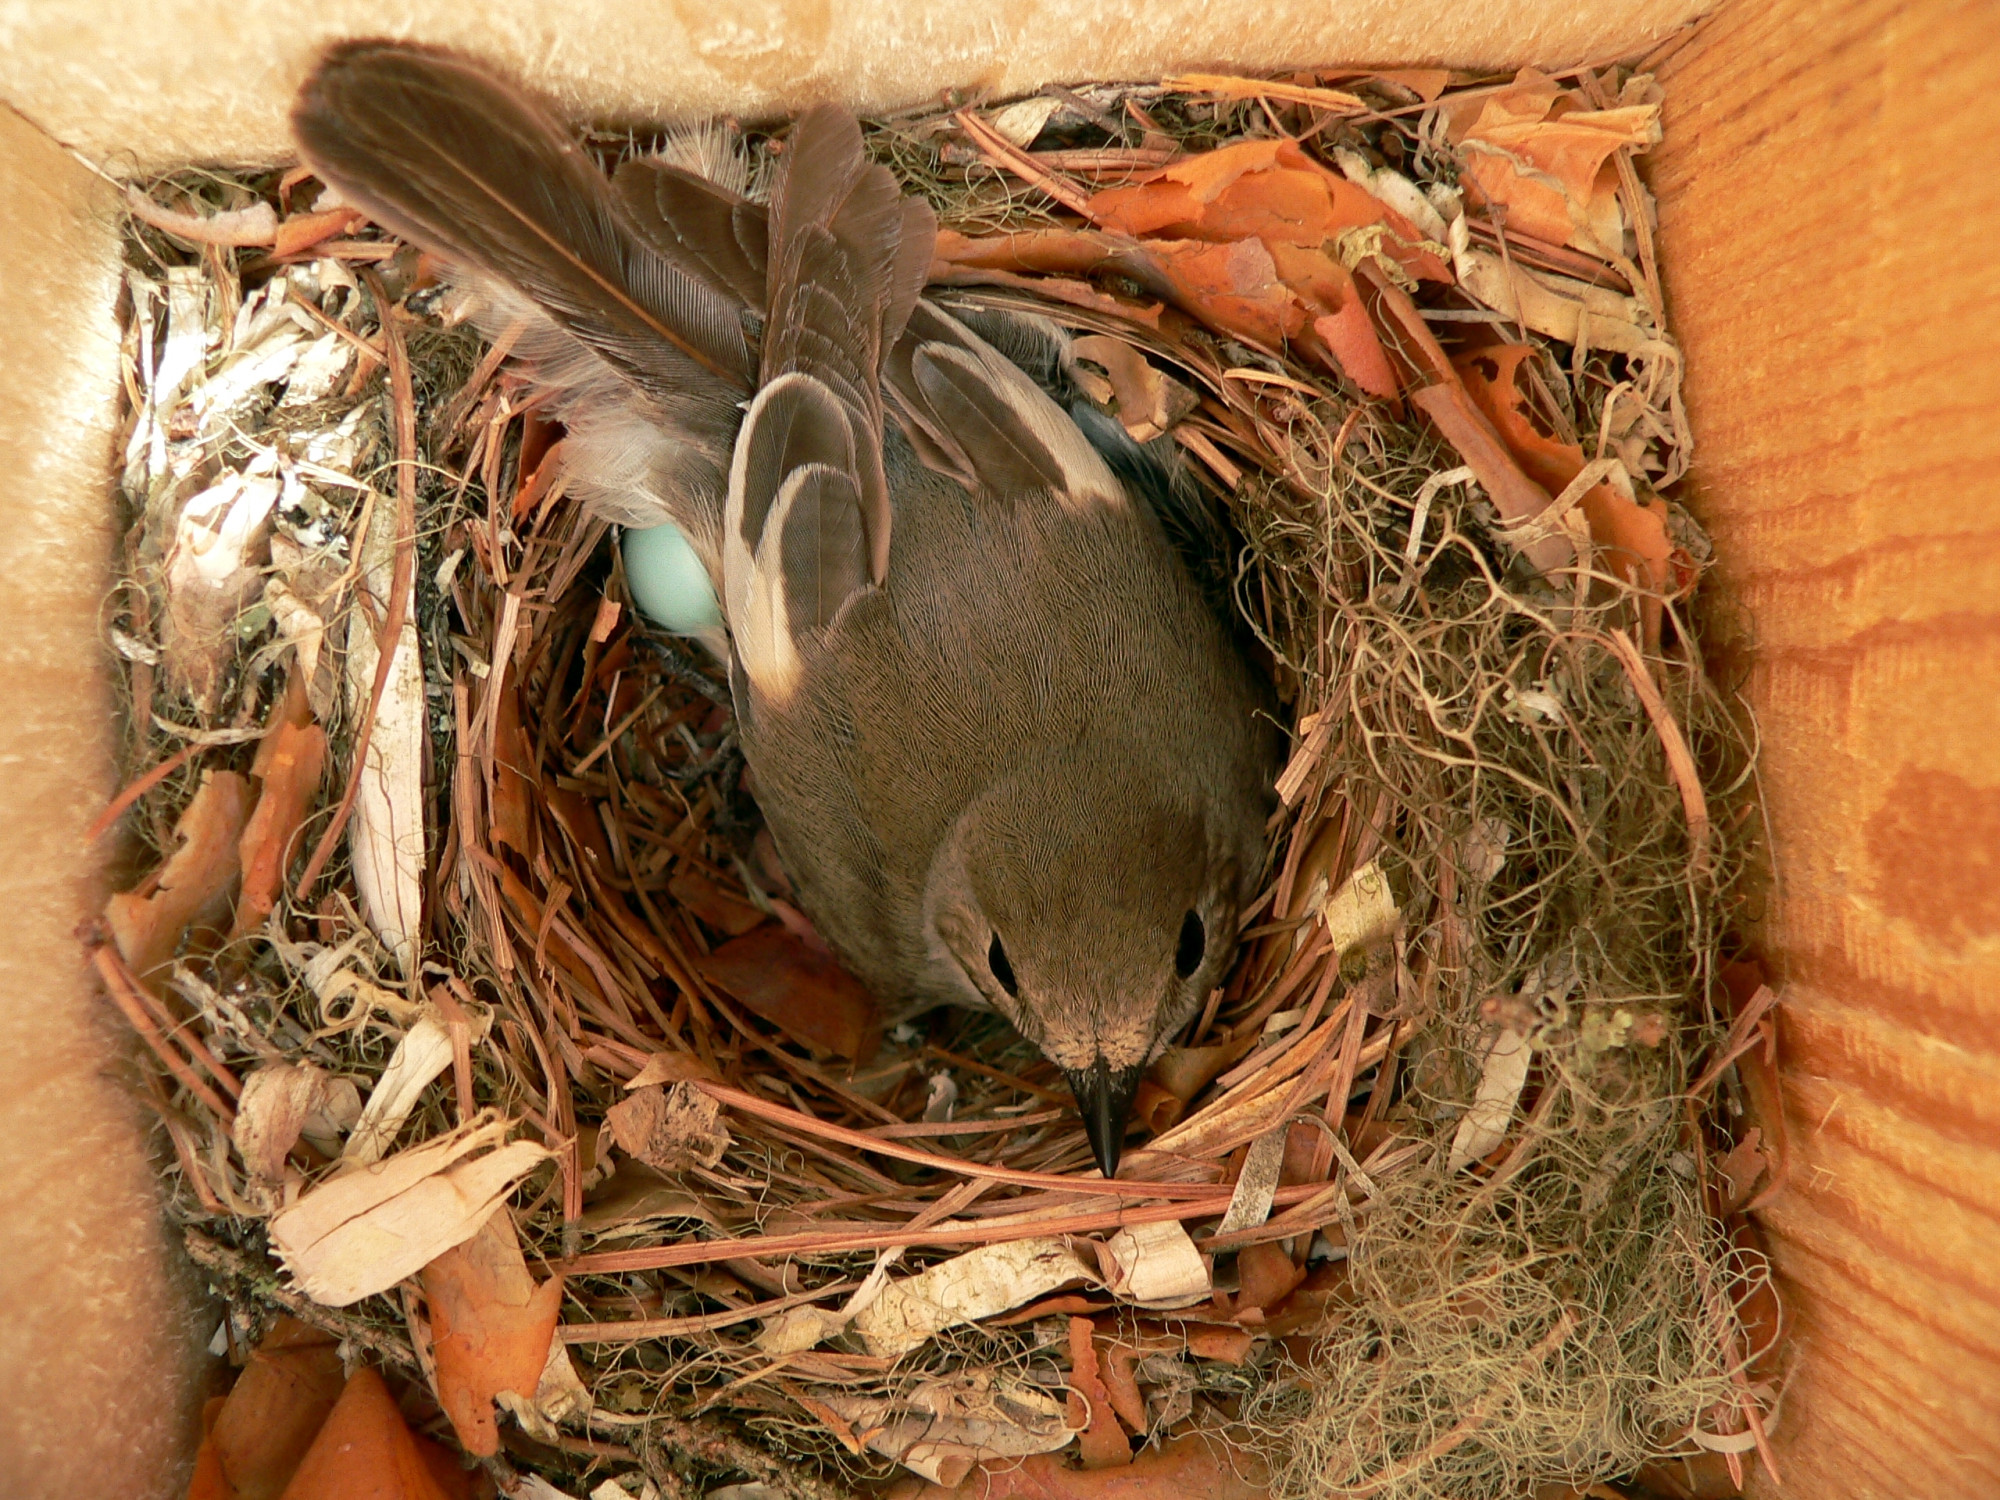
(1830,211)
(101,1329)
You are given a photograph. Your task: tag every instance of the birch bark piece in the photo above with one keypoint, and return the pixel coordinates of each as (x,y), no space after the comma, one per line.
(1157,1265)
(385,837)
(363,1232)
(967,1287)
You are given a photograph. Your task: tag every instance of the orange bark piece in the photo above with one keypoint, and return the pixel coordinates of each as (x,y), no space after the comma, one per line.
(1212,1341)
(1116,1363)
(1437,390)
(490,1328)
(257,1435)
(453,1478)
(1339,333)
(1634,536)
(365,1451)
(1189,1466)
(1266,1276)
(1492,378)
(290,760)
(1350,338)
(798,989)
(512,792)
(302,231)
(1425,83)
(195,877)
(1556,177)
(1066,1302)
(1233,286)
(1102,1442)
(1059,252)
(726,913)
(1268,189)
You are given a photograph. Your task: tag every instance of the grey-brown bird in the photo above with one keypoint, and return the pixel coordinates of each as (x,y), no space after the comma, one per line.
(1009,751)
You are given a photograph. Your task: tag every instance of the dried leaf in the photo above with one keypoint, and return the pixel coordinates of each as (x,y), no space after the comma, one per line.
(192,884)
(212,573)
(1256,1183)
(364,1231)
(1022,121)
(1156,1265)
(1501,1077)
(365,1451)
(965,1289)
(638,1200)
(386,834)
(798,989)
(1265,1276)
(1745,1163)
(1186,1071)
(491,1328)
(263,1428)
(1559,306)
(559,1396)
(669,1129)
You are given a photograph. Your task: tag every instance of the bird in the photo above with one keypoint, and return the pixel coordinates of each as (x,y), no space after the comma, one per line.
(1010,751)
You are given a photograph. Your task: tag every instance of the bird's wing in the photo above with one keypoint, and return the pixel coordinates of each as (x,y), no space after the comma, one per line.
(692,220)
(643,341)
(975,414)
(808,516)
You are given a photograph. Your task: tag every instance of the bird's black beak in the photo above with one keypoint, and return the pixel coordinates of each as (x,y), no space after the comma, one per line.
(1105,1099)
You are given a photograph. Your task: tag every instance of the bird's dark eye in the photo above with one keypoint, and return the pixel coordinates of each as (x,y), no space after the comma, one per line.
(996,960)
(1193,943)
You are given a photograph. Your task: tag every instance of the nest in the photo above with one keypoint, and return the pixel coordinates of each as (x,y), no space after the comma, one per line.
(1447,1141)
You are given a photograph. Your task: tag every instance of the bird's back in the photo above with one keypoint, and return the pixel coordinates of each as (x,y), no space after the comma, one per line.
(1007,630)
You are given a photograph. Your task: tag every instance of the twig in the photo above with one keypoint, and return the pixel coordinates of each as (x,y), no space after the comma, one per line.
(261,1280)
(1002,153)
(113,974)
(1094,1187)
(115,809)
(988,1232)
(1680,762)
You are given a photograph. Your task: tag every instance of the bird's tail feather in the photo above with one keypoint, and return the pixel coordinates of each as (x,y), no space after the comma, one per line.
(643,340)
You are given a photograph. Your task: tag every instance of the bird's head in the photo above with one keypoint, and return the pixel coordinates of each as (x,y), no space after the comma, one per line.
(1095,912)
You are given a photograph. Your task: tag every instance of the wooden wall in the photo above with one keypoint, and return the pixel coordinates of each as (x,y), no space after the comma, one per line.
(1830,231)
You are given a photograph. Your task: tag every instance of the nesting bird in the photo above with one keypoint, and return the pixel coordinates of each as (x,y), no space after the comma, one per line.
(1009,752)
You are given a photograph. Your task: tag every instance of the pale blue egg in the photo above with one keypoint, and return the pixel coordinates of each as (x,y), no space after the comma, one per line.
(668,582)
